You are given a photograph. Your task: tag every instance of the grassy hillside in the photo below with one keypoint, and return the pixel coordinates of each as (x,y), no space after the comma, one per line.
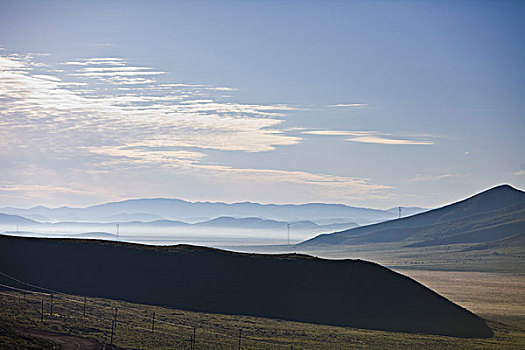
(174,327)
(291,287)
(496,214)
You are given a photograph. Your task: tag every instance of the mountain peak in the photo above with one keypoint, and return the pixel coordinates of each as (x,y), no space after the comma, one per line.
(499,196)
(502,198)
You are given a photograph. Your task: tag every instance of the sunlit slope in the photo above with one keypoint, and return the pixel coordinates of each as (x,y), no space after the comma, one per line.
(292,287)
(490,216)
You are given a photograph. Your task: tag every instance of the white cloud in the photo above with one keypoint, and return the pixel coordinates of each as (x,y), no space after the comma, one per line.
(113,69)
(335,133)
(112,61)
(387,141)
(54,130)
(369,137)
(121,73)
(348,105)
(44,103)
(426,178)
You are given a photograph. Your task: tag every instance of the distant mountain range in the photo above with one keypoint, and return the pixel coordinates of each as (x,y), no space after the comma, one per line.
(15,220)
(179,210)
(221,222)
(490,218)
(294,287)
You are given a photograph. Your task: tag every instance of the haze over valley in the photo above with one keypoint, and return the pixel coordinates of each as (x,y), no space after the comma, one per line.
(170,221)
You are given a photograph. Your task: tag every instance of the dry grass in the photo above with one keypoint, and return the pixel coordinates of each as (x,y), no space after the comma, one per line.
(221,331)
(494,296)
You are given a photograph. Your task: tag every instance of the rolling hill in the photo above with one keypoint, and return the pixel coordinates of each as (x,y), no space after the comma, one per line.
(490,216)
(292,287)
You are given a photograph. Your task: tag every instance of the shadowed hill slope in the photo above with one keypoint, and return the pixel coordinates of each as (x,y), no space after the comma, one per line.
(494,214)
(292,287)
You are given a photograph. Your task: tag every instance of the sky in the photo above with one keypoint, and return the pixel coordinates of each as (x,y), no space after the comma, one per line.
(374,104)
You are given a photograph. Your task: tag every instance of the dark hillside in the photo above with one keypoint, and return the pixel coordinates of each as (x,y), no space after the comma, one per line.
(493,214)
(292,287)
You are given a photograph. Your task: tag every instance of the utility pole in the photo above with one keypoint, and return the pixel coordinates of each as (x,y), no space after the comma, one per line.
(42,312)
(84,306)
(51,305)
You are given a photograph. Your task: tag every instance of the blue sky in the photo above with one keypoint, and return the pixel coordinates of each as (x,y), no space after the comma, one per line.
(374,104)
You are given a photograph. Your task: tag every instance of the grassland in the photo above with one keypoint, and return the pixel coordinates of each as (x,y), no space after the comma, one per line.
(173,328)
(494,296)
(454,257)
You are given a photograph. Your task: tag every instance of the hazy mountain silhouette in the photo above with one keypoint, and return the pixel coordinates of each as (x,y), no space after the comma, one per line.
(15,219)
(293,287)
(495,214)
(258,223)
(218,223)
(123,217)
(99,235)
(176,209)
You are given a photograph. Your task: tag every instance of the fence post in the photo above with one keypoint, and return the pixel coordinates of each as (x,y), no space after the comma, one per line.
(194,337)
(42,312)
(112,330)
(153,323)
(51,308)
(84,306)
(240,335)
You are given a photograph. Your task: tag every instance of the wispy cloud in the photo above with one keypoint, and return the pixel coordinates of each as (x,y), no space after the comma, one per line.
(370,137)
(42,103)
(439,177)
(387,141)
(98,61)
(59,126)
(348,105)
(330,132)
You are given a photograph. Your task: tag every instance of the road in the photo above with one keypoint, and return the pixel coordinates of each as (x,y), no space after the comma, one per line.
(66,342)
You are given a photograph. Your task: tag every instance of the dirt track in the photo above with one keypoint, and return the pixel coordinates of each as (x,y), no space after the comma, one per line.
(66,342)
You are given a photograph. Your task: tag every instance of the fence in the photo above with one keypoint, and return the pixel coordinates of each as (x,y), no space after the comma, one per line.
(143,326)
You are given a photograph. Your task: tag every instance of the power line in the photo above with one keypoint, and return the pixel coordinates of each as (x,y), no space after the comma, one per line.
(123,309)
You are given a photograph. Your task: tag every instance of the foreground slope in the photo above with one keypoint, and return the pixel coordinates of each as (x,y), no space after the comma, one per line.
(495,214)
(293,287)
